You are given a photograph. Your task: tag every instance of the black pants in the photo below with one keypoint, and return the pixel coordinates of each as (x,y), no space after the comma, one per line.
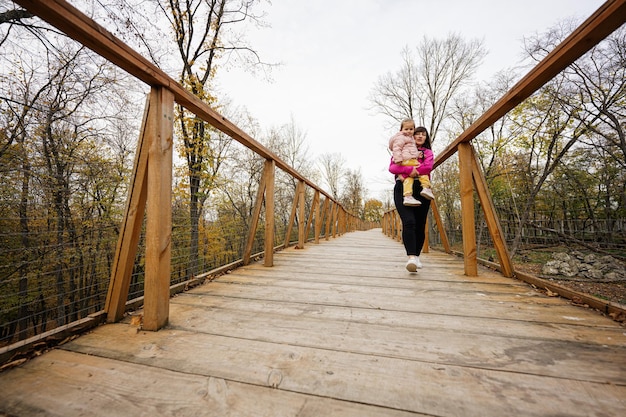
(413,218)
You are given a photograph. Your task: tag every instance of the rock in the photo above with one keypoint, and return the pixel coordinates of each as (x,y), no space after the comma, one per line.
(593,273)
(569,270)
(561,256)
(550,270)
(615,276)
(589,259)
(607,259)
(588,266)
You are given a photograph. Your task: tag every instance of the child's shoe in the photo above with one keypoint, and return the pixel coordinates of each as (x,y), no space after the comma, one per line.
(409,200)
(427,193)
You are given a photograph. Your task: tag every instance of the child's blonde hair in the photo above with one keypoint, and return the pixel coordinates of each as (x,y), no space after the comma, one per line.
(407,121)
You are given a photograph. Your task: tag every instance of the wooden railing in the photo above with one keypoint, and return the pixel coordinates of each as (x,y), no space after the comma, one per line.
(151,184)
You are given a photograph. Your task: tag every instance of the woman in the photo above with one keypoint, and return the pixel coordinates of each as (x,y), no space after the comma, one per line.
(413,217)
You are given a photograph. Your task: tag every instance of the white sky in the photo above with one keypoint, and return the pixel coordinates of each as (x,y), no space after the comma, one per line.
(333,51)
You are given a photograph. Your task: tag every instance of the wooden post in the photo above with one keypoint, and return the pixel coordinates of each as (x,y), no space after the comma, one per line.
(491,217)
(320,215)
(269,174)
(383,223)
(399,227)
(318,222)
(294,209)
(340,221)
(312,215)
(301,217)
(128,240)
(440,228)
(425,245)
(467,210)
(335,221)
(329,216)
(159,210)
(256,214)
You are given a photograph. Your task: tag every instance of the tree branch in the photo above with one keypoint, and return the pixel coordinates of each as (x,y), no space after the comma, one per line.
(15,15)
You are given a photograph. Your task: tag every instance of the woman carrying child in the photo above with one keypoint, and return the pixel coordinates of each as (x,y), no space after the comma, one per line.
(414,217)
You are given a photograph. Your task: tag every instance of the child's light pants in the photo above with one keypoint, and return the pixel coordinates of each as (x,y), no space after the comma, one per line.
(407,183)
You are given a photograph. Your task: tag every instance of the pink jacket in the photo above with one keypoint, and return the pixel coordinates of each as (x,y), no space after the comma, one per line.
(424,169)
(402,147)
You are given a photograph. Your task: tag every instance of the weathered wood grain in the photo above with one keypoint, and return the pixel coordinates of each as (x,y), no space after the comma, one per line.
(69,384)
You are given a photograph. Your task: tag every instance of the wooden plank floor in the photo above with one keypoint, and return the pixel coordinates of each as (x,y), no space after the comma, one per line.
(340,329)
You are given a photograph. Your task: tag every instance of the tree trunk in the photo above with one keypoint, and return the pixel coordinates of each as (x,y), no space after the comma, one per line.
(24,230)
(194,216)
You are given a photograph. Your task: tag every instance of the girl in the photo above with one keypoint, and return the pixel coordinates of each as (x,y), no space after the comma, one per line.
(404,152)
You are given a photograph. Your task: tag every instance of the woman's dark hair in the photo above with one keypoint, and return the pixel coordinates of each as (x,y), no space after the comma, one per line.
(427,141)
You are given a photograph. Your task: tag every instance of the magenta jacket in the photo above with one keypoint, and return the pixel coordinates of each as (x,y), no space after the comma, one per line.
(424,169)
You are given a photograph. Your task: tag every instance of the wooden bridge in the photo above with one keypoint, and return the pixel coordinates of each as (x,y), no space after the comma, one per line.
(340,329)
(332,327)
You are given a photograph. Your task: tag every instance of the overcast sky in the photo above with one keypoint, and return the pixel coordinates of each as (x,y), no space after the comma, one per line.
(333,51)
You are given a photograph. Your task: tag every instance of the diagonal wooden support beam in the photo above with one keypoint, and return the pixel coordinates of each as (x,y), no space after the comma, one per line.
(294,211)
(128,239)
(265,193)
(491,217)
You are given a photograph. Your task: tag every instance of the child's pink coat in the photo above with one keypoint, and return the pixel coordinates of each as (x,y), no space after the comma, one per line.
(402,147)
(423,169)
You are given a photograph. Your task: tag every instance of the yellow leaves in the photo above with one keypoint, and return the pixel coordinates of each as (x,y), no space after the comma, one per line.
(136,320)
(198,87)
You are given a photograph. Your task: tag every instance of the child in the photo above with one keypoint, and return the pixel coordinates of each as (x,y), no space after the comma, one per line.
(404,152)
(422,141)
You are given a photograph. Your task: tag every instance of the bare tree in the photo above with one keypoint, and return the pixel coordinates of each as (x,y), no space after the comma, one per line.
(289,143)
(10,17)
(204,32)
(546,136)
(428,80)
(467,108)
(592,91)
(353,195)
(58,117)
(332,171)
(594,86)
(241,172)
(395,95)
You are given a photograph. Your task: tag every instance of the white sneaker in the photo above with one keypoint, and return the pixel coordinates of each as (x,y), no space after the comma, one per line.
(427,193)
(418,264)
(411,265)
(409,200)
